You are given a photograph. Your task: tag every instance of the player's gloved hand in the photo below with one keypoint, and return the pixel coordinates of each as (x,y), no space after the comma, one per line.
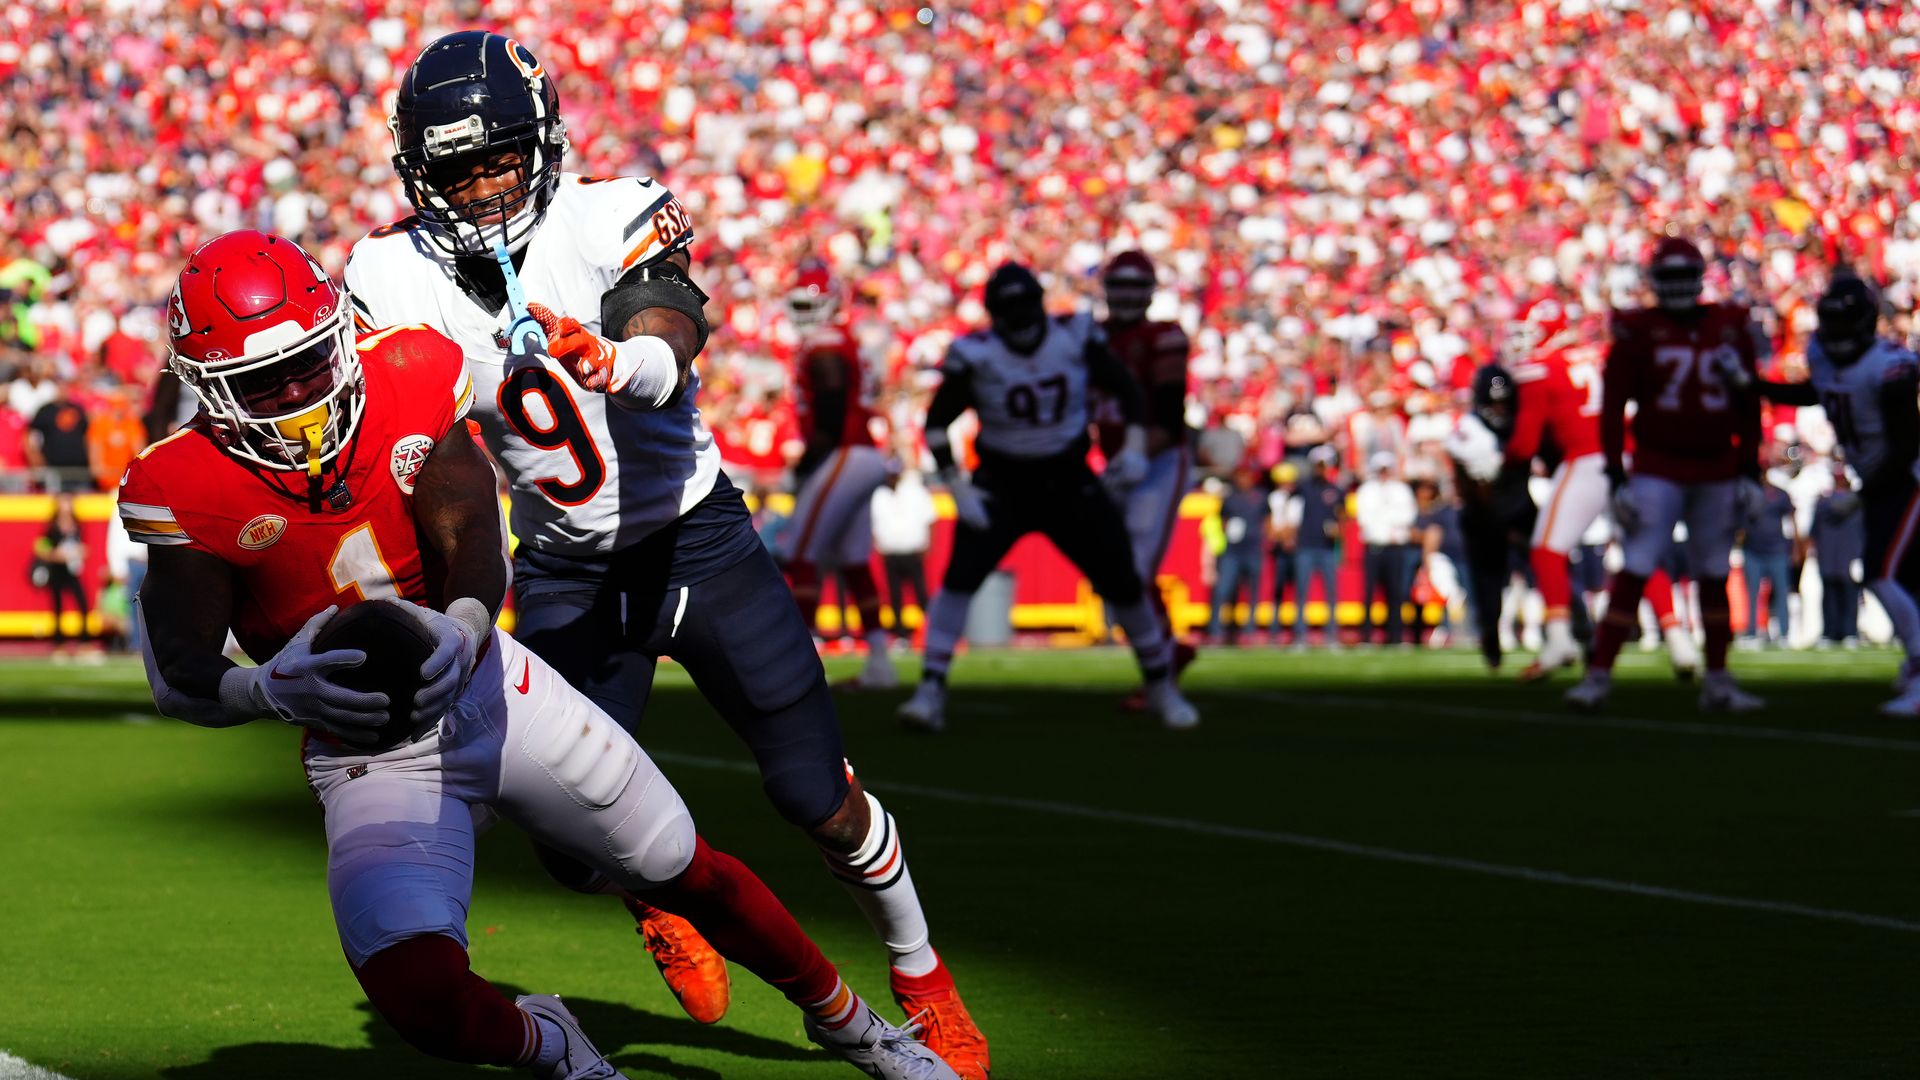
(1127,468)
(586,356)
(1626,508)
(1749,498)
(969,505)
(457,634)
(294,687)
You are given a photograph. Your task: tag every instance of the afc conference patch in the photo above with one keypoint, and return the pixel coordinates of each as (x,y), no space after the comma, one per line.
(409,453)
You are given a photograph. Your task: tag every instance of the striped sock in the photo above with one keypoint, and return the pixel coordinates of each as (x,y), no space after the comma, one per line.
(546,1043)
(876,877)
(837,1009)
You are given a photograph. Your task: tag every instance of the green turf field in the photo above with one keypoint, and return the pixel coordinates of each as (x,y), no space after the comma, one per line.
(1370,864)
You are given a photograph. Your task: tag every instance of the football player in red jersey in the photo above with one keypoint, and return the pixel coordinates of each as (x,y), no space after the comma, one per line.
(1155,354)
(1689,368)
(832,526)
(324,471)
(1558,406)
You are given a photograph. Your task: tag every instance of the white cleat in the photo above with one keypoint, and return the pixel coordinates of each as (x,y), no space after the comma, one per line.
(1904,707)
(1590,693)
(1720,694)
(1557,650)
(926,710)
(877,673)
(1176,712)
(881,1050)
(1683,652)
(580,1061)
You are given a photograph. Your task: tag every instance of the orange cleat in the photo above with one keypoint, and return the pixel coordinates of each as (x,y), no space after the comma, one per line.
(695,973)
(933,1004)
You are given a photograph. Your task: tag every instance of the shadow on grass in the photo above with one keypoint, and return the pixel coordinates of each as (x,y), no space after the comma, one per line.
(646,1040)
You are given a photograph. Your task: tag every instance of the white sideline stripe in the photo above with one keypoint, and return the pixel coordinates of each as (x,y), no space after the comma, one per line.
(1364,851)
(12,1068)
(1620,723)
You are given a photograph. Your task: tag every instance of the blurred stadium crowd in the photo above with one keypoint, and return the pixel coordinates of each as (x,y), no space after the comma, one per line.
(1346,200)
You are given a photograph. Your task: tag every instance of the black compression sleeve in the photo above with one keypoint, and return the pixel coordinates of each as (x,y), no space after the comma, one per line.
(954,397)
(1109,375)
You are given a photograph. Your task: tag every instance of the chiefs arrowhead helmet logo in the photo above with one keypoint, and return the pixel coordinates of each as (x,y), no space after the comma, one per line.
(177,324)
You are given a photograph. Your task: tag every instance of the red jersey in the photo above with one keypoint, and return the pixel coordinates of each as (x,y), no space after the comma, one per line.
(1559,400)
(1154,353)
(1696,420)
(833,344)
(290,561)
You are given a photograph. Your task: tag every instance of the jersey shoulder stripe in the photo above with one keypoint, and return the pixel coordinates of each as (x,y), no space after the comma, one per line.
(146,503)
(620,222)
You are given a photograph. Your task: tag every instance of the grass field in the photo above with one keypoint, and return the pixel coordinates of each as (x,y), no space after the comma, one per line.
(1371,864)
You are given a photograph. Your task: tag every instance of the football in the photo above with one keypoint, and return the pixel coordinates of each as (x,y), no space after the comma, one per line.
(396,645)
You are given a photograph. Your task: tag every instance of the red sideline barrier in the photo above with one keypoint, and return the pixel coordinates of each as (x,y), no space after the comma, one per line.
(1049,594)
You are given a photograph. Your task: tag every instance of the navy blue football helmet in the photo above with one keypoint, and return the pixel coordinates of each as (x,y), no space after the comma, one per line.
(1016,307)
(469,98)
(1849,318)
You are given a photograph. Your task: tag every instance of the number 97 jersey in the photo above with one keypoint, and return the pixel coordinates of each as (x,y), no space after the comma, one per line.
(290,562)
(1031,405)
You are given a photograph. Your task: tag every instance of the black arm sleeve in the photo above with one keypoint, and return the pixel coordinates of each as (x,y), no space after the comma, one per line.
(1781,393)
(1900,412)
(1107,373)
(954,397)
(660,285)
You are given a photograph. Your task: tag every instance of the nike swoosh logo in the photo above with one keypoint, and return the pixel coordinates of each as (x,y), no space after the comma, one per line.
(526,675)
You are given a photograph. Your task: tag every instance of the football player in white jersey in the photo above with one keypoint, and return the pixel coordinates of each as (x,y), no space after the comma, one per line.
(1869,388)
(1027,378)
(632,544)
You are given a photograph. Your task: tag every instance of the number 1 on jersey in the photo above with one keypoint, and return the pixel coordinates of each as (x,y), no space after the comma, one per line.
(357,566)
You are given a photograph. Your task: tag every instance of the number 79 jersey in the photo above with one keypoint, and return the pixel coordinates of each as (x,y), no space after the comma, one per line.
(589,476)
(290,562)
(1689,375)
(1030,406)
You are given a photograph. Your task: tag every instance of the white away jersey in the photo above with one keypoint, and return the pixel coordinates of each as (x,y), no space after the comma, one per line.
(1029,406)
(588,476)
(1850,395)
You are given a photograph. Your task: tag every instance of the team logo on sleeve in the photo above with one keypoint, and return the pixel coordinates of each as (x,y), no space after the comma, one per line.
(409,453)
(262,531)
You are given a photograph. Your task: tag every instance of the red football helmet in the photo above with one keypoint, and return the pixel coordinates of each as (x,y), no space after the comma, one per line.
(1539,323)
(266,339)
(814,297)
(1676,272)
(1128,281)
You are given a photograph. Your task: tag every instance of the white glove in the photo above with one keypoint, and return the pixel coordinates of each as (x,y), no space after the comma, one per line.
(968,504)
(1749,498)
(1127,468)
(294,687)
(457,634)
(1626,509)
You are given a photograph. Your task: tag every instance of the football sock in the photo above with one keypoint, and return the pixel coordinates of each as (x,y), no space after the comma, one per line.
(1660,598)
(550,1043)
(875,875)
(1150,645)
(804,578)
(1716,621)
(742,919)
(424,988)
(1622,620)
(1901,610)
(1556,586)
(834,1010)
(946,622)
